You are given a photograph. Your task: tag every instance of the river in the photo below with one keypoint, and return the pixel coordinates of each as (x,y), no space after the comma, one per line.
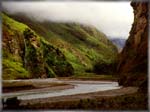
(80,87)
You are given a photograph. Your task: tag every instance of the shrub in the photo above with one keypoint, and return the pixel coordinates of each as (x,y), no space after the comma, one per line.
(105,68)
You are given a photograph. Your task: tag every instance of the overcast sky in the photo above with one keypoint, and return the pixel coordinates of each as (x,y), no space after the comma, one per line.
(112,18)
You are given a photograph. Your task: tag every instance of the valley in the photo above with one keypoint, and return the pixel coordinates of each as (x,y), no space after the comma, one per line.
(71,65)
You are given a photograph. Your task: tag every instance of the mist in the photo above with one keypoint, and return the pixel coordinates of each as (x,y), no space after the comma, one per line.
(112,18)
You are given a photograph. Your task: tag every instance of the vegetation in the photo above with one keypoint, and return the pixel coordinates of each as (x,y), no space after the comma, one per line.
(14,70)
(47,49)
(105,68)
(94,76)
(82,45)
(27,55)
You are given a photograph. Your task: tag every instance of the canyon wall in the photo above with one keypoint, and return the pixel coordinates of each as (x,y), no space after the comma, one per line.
(133,60)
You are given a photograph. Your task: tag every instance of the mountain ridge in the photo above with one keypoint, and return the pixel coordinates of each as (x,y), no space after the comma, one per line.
(119,42)
(82,46)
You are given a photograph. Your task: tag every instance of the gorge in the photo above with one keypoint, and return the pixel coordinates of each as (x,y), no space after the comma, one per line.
(75,52)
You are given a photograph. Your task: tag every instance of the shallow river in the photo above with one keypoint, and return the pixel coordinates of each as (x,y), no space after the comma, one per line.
(80,87)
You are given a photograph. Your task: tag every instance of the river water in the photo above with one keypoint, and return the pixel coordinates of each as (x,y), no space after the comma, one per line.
(80,87)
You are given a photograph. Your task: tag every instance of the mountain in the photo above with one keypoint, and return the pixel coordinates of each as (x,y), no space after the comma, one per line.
(27,55)
(119,42)
(83,38)
(134,56)
(33,49)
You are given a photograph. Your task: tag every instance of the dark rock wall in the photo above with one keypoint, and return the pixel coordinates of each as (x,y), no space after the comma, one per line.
(133,59)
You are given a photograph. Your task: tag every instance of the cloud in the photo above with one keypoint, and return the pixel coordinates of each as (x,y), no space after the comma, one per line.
(112,18)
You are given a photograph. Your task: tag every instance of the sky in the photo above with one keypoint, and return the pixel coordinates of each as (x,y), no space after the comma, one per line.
(112,18)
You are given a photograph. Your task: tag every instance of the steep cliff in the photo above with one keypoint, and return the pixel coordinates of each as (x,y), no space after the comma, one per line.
(133,59)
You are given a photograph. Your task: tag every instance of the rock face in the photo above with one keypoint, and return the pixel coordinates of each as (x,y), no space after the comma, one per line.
(133,59)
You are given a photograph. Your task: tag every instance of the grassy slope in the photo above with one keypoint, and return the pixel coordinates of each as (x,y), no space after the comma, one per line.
(83,46)
(12,64)
(17,49)
(80,47)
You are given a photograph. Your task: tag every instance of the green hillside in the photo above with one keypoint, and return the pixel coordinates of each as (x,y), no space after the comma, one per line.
(28,55)
(80,46)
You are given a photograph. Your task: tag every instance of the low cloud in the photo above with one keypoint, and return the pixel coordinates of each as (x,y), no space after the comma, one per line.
(112,18)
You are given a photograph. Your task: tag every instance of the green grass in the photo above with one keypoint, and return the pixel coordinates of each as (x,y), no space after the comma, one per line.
(12,66)
(14,24)
(13,70)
